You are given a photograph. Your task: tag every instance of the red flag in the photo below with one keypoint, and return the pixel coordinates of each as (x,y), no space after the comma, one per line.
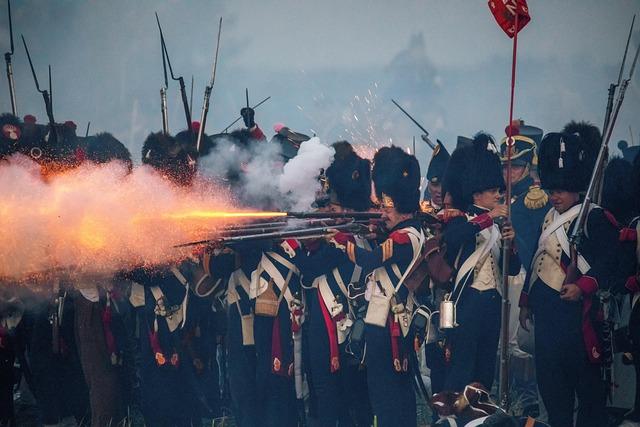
(505,12)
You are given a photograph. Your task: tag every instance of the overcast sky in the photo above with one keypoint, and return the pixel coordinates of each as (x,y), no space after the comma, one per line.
(331,66)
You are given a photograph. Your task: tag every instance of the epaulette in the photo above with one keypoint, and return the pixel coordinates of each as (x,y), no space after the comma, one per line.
(400,237)
(535,198)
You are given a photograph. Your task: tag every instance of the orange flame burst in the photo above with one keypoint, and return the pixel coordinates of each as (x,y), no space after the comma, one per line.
(99,219)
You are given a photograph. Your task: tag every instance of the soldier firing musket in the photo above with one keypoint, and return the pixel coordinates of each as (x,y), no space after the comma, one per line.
(305,233)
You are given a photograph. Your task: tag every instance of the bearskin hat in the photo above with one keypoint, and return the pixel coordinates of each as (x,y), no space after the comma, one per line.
(438,163)
(104,147)
(618,195)
(11,134)
(473,168)
(566,159)
(349,178)
(171,157)
(629,153)
(396,177)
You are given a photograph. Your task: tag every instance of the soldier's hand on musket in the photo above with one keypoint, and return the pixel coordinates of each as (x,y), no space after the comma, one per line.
(248,115)
(570,292)
(499,211)
(508,233)
(524,317)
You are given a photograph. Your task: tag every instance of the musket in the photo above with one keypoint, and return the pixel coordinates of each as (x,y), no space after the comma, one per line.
(425,137)
(239,118)
(163,89)
(179,79)
(610,98)
(207,92)
(53,137)
(7,59)
(335,215)
(305,233)
(598,170)
(86,134)
(274,226)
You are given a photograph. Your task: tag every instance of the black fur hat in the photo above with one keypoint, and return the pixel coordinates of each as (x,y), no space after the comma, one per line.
(104,147)
(349,178)
(171,157)
(396,176)
(11,128)
(618,195)
(473,168)
(566,159)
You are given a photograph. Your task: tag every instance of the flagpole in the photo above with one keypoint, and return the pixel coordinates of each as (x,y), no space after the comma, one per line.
(506,244)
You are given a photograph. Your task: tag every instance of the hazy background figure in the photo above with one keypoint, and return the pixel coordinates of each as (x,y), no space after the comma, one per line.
(437,59)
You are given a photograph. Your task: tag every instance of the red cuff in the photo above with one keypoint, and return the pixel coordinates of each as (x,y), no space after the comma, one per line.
(290,246)
(587,284)
(628,235)
(524,300)
(257,133)
(483,221)
(632,284)
(343,238)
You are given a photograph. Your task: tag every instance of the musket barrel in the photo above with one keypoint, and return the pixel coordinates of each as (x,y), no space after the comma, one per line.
(334,215)
(12,88)
(165,113)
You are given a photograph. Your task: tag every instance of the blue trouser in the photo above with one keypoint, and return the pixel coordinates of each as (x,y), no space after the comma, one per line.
(275,394)
(334,394)
(241,367)
(474,343)
(562,367)
(392,396)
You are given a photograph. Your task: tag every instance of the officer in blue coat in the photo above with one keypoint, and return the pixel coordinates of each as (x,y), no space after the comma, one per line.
(529,203)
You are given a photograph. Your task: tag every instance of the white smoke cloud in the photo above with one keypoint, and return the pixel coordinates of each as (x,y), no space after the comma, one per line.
(300,178)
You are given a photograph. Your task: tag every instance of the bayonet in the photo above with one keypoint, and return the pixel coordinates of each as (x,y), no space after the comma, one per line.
(53,138)
(614,86)
(86,134)
(239,118)
(425,137)
(179,79)
(246,92)
(207,91)
(7,60)
(191,97)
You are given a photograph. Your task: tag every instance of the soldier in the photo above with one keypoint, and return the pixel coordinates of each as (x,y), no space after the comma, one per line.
(337,379)
(168,367)
(567,346)
(474,182)
(396,177)
(99,325)
(629,269)
(435,172)
(529,205)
